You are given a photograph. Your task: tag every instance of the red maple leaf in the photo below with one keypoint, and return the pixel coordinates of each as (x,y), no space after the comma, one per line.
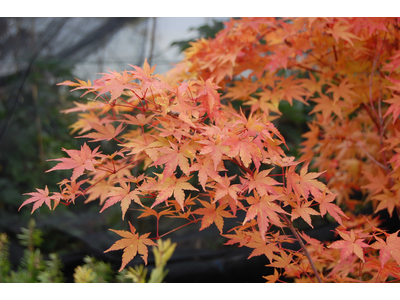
(132,244)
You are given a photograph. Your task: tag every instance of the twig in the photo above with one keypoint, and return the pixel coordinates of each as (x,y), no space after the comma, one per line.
(296,234)
(371,157)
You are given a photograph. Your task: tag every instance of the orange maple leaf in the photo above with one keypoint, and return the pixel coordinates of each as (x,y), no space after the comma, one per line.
(106,132)
(132,244)
(262,246)
(293,89)
(71,189)
(344,90)
(233,204)
(327,106)
(124,195)
(115,83)
(79,161)
(388,200)
(139,119)
(304,211)
(215,149)
(99,191)
(325,205)
(349,245)
(341,31)
(272,278)
(389,268)
(172,158)
(145,75)
(80,85)
(212,214)
(224,187)
(282,260)
(208,95)
(39,197)
(147,211)
(304,183)
(172,185)
(394,107)
(246,149)
(266,211)
(377,181)
(239,237)
(205,169)
(261,182)
(389,248)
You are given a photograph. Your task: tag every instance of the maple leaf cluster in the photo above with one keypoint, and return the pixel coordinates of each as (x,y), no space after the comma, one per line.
(177,130)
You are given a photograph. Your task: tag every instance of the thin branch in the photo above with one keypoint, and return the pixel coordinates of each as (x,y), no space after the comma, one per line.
(371,157)
(334,51)
(299,239)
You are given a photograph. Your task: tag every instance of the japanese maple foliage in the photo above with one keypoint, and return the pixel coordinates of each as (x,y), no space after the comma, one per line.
(184,125)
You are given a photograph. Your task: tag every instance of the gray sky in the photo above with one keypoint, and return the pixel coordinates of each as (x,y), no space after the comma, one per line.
(124,47)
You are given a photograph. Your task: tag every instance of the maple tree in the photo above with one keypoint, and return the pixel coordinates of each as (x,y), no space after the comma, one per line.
(217,108)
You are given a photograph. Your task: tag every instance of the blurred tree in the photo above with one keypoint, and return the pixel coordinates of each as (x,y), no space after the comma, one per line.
(36,54)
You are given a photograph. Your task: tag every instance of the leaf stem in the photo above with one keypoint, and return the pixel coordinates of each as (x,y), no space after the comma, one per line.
(191,222)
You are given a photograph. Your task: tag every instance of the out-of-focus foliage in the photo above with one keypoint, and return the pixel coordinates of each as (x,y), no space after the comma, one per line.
(35,268)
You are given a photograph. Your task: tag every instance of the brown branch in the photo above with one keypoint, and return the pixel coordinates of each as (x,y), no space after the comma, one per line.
(334,52)
(296,234)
